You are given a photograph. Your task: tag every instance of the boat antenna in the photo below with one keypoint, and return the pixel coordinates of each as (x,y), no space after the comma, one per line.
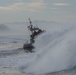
(30,21)
(27,29)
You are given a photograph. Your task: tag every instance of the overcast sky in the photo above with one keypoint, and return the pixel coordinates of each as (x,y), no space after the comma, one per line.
(51,10)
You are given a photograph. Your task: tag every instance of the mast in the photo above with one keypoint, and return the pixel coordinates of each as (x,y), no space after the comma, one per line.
(30,21)
(30,27)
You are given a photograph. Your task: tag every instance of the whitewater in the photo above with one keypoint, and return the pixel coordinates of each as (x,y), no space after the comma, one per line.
(54,53)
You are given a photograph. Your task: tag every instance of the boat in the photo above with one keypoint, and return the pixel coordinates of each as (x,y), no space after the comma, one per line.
(35,31)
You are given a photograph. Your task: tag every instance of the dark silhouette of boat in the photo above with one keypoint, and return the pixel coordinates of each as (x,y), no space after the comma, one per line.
(35,31)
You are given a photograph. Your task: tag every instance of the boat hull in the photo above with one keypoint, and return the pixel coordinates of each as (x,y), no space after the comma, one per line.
(28,47)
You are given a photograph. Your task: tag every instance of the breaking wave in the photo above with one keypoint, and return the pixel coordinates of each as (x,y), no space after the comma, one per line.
(55,51)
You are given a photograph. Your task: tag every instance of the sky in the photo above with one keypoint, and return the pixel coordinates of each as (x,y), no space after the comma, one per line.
(50,10)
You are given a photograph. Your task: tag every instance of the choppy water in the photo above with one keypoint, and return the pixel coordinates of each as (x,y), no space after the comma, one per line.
(55,53)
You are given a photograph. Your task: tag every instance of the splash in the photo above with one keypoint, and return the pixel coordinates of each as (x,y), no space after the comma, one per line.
(55,51)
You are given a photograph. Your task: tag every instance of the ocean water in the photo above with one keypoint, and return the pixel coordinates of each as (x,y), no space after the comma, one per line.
(54,53)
